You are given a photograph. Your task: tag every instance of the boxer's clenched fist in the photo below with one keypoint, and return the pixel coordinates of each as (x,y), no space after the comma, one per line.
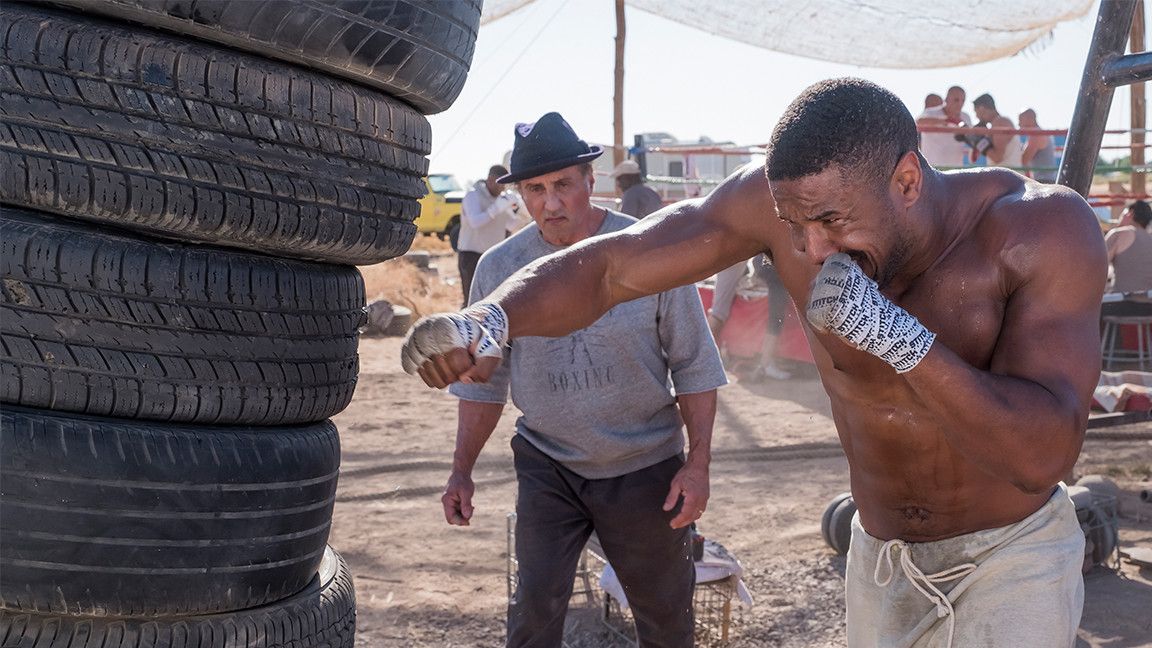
(465,346)
(846,302)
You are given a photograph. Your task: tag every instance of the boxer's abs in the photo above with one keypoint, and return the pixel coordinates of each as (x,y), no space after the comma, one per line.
(909,483)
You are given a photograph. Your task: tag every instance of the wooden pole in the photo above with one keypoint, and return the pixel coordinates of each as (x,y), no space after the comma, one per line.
(618,98)
(1139,107)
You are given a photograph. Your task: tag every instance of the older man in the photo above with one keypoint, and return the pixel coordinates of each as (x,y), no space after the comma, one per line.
(939,148)
(953,319)
(600,444)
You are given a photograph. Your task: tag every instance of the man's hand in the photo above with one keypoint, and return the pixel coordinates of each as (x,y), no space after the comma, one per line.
(503,202)
(847,303)
(449,347)
(457,499)
(691,481)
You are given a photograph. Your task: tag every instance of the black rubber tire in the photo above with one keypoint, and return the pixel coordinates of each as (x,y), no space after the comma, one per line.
(322,615)
(826,519)
(177,139)
(106,517)
(416,51)
(840,526)
(113,325)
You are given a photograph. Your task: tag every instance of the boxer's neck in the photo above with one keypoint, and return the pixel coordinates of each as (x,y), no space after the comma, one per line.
(933,230)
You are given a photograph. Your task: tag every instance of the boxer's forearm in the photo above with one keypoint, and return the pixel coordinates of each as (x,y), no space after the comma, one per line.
(557,294)
(1013,428)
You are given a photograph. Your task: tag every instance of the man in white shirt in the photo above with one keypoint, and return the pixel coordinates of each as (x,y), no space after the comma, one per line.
(941,149)
(486,216)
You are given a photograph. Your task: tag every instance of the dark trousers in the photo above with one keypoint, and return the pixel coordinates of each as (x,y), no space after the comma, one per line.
(557,510)
(466,263)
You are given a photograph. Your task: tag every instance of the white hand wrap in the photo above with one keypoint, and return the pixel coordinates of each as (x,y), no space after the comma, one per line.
(482,329)
(846,302)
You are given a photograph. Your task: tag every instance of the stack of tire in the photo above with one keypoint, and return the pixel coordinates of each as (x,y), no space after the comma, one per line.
(186,188)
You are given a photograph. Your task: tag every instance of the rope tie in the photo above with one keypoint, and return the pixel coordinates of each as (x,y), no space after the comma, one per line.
(924,583)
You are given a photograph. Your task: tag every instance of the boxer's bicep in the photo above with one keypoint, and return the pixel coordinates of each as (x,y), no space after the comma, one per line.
(692,240)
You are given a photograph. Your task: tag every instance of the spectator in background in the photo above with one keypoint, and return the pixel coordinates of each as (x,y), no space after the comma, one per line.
(941,149)
(1039,155)
(636,200)
(933,100)
(1001,149)
(486,215)
(724,293)
(1130,253)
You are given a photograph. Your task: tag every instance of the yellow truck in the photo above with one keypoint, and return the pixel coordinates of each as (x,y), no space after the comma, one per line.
(440,209)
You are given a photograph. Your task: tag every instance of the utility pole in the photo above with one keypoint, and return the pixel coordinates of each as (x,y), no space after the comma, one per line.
(1139,107)
(618,97)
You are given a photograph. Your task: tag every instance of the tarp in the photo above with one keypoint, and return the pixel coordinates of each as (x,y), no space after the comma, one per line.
(868,33)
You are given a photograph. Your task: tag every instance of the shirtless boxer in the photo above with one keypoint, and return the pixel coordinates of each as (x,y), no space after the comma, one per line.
(953,319)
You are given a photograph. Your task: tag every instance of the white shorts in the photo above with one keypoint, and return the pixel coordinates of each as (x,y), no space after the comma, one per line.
(1018,586)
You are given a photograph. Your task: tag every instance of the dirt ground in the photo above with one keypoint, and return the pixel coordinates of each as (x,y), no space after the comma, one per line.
(420,582)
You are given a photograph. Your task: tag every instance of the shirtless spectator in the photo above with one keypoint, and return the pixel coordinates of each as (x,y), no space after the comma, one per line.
(1039,155)
(1130,253)
(941,149)
(934,302)
(1001,149)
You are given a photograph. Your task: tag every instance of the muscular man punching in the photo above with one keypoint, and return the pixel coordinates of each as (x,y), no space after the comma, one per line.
(953,318)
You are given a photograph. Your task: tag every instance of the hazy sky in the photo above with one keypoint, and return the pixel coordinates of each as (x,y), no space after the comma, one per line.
(558,55)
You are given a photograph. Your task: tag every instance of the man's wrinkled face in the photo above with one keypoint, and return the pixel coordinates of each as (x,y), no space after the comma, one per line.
(827,213)
(560,203)
(954,103)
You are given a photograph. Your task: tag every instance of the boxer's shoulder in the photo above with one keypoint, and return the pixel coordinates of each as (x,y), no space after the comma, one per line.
(1029,228)
(1044,215)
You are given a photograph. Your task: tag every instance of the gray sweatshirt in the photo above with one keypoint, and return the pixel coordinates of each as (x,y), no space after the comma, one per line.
(600,400)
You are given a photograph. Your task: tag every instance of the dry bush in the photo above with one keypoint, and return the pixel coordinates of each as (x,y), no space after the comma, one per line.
(431,244)
(403,284)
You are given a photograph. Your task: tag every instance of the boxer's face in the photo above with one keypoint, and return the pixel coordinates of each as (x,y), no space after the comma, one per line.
(830,212)
(560,204)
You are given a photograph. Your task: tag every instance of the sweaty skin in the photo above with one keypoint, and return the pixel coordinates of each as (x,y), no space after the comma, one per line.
(1007,272)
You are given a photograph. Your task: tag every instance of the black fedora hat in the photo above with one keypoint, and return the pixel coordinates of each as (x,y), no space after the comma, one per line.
(545,146)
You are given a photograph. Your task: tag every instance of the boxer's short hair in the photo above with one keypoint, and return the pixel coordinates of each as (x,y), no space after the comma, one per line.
(852,123)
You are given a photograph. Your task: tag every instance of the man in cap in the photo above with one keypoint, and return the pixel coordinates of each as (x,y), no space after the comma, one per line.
(600,444)
(636,199)
(954,320)
(486,215)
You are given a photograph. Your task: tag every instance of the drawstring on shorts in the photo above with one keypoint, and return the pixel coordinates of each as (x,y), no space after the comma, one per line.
(924,583)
